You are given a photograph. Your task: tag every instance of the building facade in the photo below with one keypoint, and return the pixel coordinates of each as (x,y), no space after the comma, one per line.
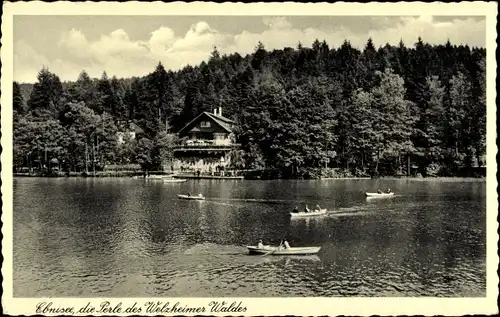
(207,142)
(128,132)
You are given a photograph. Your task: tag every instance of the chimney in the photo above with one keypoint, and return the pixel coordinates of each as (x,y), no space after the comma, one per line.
(220,111)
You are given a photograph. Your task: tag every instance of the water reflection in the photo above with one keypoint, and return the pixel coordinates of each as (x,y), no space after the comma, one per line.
(120,237)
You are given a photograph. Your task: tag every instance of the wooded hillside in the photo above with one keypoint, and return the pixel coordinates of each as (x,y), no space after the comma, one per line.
(392,110)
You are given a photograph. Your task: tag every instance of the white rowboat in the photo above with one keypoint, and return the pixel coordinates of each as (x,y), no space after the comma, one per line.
(196,197)
(377,195)
(153,177)
(308,214)
(270,250)
(174,180)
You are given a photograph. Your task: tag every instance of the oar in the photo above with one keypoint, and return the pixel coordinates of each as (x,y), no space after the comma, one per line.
(270,252)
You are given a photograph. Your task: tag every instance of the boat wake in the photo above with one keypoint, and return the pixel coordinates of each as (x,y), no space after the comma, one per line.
(349,211)
(223,204)
(214,248)
(349,214)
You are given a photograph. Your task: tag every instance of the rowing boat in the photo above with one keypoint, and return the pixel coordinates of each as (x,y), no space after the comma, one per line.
(316,212)
(157,177)
(174,180)
(270,250)
(376,195)
(197,197)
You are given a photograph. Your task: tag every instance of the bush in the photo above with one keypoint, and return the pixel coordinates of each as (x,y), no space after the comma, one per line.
(433,170)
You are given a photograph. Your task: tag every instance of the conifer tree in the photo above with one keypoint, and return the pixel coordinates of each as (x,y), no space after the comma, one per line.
(46,94)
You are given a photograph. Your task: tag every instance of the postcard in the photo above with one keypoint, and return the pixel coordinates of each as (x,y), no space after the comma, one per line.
(249,159)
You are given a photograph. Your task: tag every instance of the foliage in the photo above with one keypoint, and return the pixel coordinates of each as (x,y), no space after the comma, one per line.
(393,110)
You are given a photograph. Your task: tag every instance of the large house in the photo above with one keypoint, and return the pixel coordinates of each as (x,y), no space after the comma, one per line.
(206,144)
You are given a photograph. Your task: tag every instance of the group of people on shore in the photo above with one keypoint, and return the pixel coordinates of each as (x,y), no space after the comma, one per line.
(306,209)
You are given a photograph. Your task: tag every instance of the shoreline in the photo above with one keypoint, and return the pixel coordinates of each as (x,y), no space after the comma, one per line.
(440,178)
(208,177)
(132,174)
(340,178)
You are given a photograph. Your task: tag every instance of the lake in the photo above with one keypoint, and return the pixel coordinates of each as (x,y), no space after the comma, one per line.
(119,237)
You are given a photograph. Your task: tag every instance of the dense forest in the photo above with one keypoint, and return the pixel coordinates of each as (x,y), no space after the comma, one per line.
(392,110)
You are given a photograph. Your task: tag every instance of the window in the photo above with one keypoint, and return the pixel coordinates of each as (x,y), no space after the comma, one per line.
(205,124)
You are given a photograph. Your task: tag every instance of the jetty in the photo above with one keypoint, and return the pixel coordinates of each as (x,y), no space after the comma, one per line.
(208,177)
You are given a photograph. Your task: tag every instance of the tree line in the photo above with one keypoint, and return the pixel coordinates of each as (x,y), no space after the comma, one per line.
(392,110)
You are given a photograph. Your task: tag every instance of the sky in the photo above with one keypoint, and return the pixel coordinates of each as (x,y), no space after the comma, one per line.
(126,46)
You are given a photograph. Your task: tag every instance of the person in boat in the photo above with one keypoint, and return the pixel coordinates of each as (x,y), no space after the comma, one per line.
(295,210)
(260,245)
(286,245)
(379,191)
(388,190)
(306,209)
(189,194)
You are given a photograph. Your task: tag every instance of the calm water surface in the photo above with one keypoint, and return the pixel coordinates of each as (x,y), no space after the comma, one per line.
(124,237)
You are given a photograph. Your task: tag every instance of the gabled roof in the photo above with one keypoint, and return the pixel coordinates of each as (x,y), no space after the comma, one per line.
(135,128)
(222,121)
(129,127)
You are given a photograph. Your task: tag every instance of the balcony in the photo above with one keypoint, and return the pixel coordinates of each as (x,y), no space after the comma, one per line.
(205,146)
